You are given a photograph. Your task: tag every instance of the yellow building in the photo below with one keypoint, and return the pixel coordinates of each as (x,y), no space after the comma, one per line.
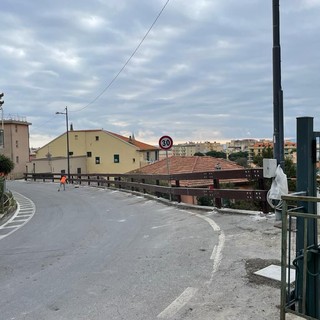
(93,151)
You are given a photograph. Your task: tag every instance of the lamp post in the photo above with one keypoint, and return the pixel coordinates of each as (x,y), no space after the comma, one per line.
(68,153)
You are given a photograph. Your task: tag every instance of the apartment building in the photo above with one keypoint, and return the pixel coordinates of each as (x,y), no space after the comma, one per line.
(16,144)
(259,146)
(239,145)
(190,148)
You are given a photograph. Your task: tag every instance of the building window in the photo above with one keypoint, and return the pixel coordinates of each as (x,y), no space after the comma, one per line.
(97,138)
(133,160)
(76,137)
(16,128)
(17,144)
(116,158)
(89,154)
(97,160)
(70,153)
(17,159)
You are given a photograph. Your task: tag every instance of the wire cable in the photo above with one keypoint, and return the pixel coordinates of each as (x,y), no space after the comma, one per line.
(126,63)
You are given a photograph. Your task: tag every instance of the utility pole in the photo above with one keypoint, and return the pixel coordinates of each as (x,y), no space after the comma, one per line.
(2,126)
(68,151)
(278,135)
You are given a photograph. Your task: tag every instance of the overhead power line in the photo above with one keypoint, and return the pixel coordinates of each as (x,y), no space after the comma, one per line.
(127,62)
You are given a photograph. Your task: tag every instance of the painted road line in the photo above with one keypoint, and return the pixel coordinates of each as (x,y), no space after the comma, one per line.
(216,255)
(25,211)
(177,304)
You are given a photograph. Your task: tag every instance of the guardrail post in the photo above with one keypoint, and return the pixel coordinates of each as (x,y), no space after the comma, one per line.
(119,185)
(217,201)
(178,196)
(157,193)
(143,181)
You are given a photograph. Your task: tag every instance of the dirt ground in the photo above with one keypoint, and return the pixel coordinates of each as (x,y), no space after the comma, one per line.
(252,242)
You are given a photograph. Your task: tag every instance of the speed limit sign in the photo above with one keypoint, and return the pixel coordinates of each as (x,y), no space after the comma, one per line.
(165,142)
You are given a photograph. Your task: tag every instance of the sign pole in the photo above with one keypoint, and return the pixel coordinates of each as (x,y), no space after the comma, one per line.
(166,143)
(168,171)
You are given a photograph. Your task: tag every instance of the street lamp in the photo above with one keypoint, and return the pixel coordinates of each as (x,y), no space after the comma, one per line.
(68,153)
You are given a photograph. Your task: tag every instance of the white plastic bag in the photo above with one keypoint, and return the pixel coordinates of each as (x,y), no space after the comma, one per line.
(279,186)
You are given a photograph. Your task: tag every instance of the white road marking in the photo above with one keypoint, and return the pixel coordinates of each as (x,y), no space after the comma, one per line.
(27,209)
(177,304)
(214,226)
(216,255)
(162,226)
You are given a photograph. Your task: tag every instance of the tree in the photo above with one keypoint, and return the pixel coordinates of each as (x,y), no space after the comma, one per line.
(199,154)
(6,165)
(242,162)
(291,171)
(217,154)
(267,153)
(240,158)
(238,155)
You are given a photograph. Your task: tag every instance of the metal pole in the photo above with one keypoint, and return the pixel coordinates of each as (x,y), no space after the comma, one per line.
(68,152)
(278,136)
(307,286)
(2,129)
(168,171)
(2,121)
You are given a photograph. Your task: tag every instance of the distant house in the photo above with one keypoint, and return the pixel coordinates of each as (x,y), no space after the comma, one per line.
(93,151)
(257,148)
(190,148)
(179,164)
(16,144)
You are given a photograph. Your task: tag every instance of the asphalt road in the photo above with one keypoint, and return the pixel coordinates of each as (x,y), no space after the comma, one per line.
(96,254)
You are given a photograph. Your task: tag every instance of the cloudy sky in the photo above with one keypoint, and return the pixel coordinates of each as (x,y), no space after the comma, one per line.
(195,70)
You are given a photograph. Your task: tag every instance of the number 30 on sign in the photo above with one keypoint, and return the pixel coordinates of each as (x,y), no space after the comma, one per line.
(165,142)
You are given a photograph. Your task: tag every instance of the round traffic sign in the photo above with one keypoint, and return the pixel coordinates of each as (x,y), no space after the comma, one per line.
(165,142)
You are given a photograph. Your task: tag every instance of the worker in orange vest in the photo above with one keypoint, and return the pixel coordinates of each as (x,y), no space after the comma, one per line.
(63,181)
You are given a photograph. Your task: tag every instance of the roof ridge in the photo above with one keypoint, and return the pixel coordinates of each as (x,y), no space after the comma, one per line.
(195,163)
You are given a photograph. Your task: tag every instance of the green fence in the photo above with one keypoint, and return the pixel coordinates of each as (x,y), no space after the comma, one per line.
(300,296)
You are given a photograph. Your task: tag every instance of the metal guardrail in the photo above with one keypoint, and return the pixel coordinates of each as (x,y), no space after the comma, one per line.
(290,303)
(158,184)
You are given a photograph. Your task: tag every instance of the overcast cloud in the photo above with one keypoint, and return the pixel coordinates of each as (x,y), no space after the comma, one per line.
(203,73)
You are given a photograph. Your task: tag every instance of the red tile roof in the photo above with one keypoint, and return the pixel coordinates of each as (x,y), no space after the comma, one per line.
(141,145)
(178,164)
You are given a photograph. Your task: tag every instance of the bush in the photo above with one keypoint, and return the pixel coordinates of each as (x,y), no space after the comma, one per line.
(205,201)
(6,164)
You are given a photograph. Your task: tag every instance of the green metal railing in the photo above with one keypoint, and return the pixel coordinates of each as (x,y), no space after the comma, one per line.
(306,264)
